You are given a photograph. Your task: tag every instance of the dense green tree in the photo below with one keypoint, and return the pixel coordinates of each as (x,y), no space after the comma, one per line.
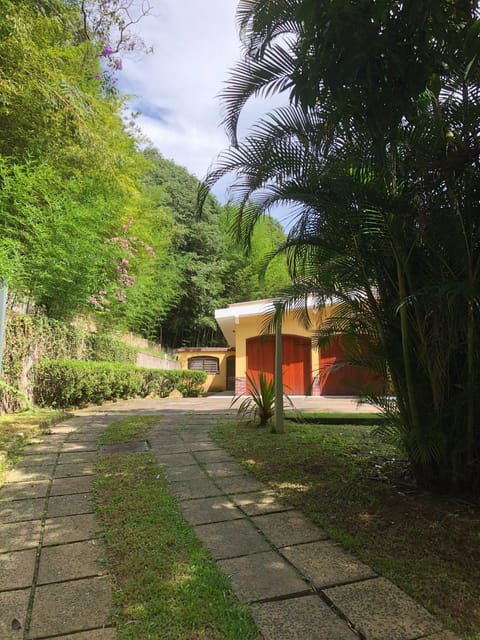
(379,152)
(69,169)
(253,274)
(209,267)
(197,253)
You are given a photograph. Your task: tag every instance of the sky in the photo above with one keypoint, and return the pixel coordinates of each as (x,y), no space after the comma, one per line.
(175,89)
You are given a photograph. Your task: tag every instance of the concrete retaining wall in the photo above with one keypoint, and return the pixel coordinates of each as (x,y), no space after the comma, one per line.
(154,362)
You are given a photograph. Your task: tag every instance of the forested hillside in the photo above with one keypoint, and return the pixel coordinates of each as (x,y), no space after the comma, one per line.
(90,225)
(205,268)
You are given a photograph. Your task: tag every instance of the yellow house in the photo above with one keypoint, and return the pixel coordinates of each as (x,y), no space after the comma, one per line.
(218,362)
(306,370)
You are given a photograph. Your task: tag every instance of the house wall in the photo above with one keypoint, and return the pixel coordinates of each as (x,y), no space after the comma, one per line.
(251,326)
(214,382)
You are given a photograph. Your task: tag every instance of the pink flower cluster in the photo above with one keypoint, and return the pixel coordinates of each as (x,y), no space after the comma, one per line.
(130,245)
(100,302)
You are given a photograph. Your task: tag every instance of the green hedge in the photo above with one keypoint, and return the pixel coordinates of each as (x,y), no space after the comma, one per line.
(29,339)
(75,383)
(161,382)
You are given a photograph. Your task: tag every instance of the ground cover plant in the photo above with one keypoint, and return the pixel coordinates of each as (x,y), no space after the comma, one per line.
(167,586)
(18,429)
(358,487)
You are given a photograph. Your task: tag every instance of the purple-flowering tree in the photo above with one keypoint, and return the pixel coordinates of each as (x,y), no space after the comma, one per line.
(109,24)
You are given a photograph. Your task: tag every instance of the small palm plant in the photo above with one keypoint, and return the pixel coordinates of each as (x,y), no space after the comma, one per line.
(260,403)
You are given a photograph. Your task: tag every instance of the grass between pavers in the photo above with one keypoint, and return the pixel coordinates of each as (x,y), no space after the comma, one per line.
(18,429)
(166,584)
(130,429)
(353,484)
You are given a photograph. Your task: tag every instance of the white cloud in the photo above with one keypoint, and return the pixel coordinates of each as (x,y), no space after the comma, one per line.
(176,88)
(195,43)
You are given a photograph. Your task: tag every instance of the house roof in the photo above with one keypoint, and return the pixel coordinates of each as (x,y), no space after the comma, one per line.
(230,316)
(202,349)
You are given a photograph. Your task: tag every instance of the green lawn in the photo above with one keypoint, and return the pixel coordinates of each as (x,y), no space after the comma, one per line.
(357,487)
(167,586)
(330,414)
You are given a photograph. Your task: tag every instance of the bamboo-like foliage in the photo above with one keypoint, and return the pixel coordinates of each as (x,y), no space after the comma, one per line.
(386,202)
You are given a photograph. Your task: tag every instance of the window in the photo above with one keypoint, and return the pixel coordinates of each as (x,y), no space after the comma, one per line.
(201,363)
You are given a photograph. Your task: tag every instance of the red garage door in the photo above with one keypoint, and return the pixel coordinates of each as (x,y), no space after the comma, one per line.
(297,361)
(337,378)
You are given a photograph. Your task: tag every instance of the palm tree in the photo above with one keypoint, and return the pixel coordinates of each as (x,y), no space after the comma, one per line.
(386,200)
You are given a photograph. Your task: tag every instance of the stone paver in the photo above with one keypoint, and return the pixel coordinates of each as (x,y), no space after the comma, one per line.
(239,484)
(63,428)
(304,618)
(75,458)
(71,606)
(203,446)
(196,437)
(262,576)
(287,528)
(259,502)
(70,505)
(231,539)
(17,511)
(210,510)
(70,529)
(79,447)
(381,611)
(75,469)
(190,472)
(13,610)
(170,449)
(325,563)
(16,569)
(30,474)
(19,535)
(37,460)
(194,489)
(65,486)
(24,490)
(219,455)
(34,449)
(175,459)
(224,469)
(89,436)
(71,561)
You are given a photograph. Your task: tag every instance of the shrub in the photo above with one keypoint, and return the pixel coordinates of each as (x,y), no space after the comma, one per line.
(190,383)
(74,383)
(67,383)
(157,382)
(162,382)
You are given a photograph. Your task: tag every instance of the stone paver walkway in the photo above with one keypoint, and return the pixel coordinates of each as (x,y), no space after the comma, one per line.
(52,580)
(299,584)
